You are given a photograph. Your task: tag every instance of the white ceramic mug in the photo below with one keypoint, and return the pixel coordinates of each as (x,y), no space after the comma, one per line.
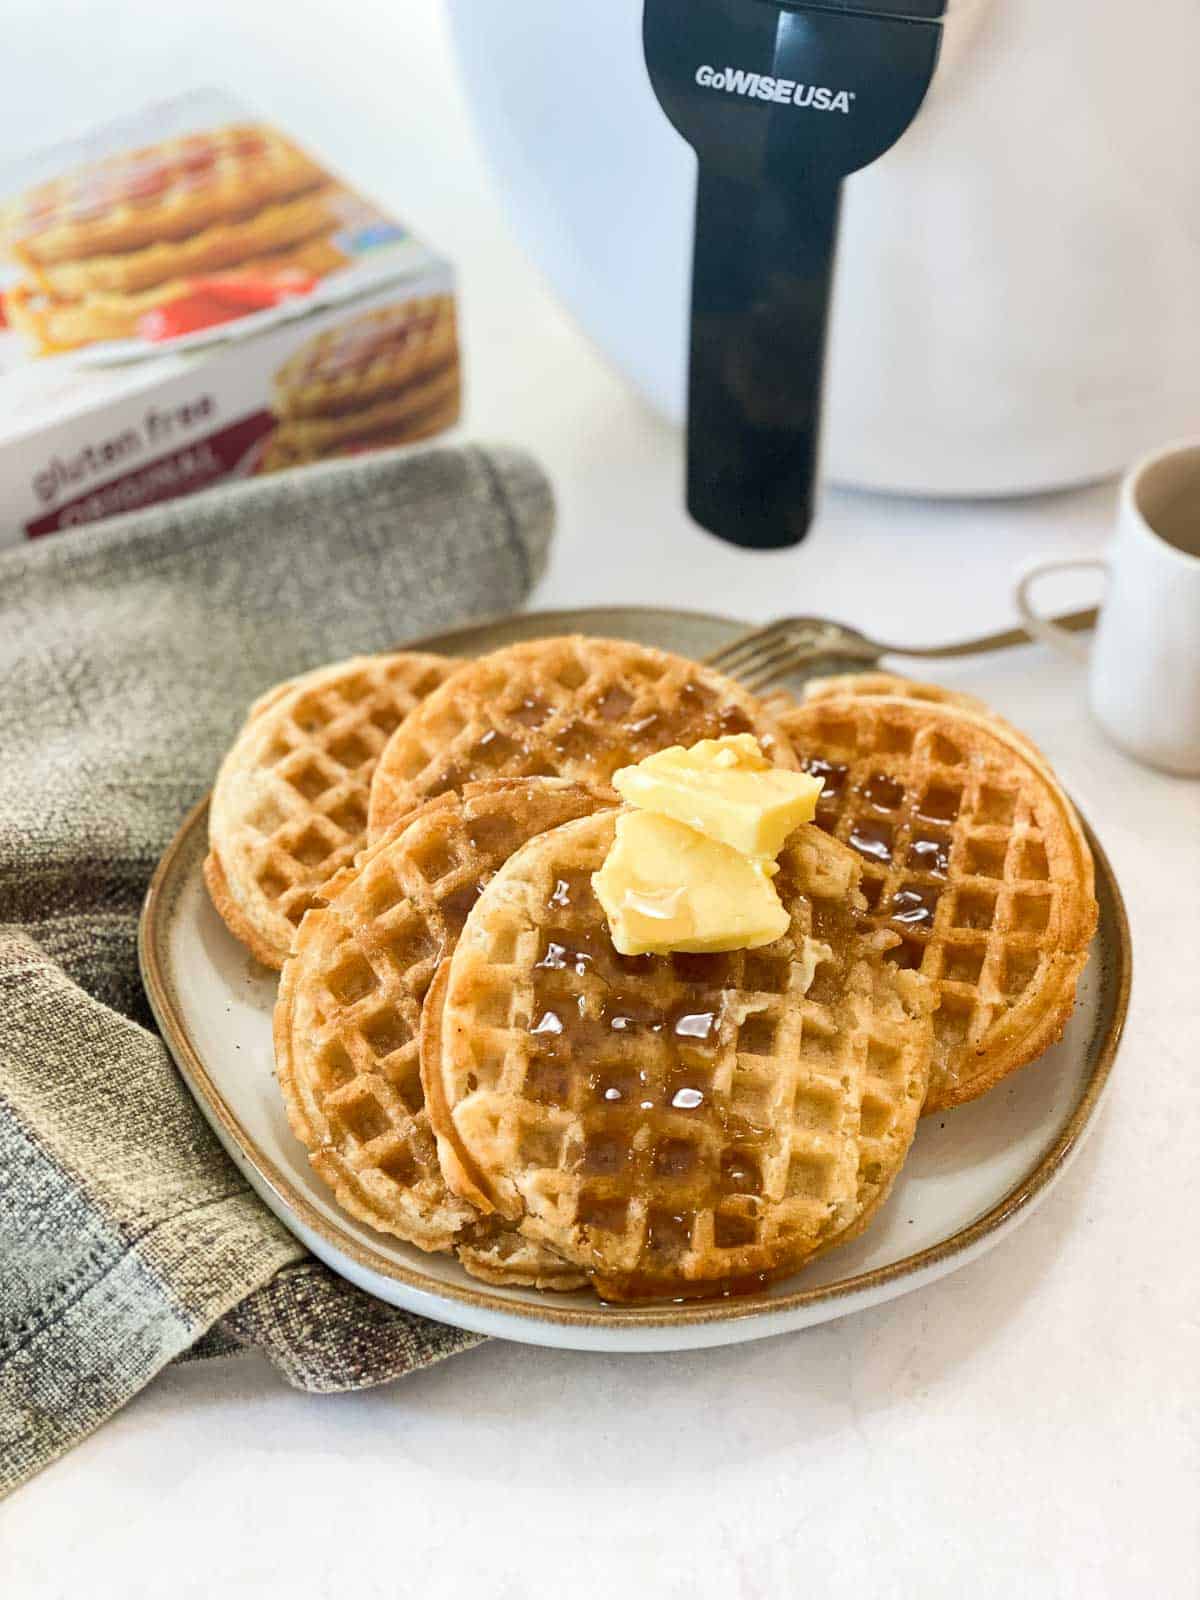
(1145,662)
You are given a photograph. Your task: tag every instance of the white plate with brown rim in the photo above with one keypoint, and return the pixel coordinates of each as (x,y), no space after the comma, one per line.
(974,1175)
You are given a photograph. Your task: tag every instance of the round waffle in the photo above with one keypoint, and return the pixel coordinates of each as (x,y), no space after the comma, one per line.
(569,707)
(888,683)
(673,1125)
(428,405)
(162,191)
(283,453)
(347,1021)
(373,357)
(289,808)
(973,857)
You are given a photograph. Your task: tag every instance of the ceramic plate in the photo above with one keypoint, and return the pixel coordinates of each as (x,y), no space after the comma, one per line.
(973,1176)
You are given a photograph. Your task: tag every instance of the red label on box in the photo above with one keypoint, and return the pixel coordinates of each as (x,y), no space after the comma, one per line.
(194,466)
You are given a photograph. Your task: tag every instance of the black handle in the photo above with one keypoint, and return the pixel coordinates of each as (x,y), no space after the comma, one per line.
(762,278)
(781,100)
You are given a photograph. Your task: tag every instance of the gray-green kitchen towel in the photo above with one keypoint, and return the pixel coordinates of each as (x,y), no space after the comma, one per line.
(128,654)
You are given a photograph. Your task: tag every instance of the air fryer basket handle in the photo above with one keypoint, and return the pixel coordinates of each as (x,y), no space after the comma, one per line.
(781,100)
(761,286)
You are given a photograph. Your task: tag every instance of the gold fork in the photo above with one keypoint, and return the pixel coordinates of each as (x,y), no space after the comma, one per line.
(765,655)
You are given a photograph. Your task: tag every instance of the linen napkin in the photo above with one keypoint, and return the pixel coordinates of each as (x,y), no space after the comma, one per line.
(128,654)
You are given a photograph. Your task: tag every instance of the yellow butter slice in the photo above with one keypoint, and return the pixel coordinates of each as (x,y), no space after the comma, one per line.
(725,789)
(664,887)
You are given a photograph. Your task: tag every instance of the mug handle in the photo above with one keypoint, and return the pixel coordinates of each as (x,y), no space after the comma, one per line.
(1040,627)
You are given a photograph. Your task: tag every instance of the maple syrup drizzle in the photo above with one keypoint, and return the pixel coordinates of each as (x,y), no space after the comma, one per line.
(560,958)
(872,839)
(939,805)
(696,1025)
(357,348)
(883,792)
(645,1287)
(833,772)
(933,855)
(913,906)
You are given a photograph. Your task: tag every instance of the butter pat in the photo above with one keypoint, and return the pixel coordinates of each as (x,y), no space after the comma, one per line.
(664,887)
(725,789)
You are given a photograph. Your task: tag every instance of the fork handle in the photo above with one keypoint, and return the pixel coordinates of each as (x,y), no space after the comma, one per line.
(1071,622)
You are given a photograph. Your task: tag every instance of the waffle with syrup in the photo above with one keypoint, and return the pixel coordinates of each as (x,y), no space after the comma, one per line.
(224,244)
(289,808)
(374,357)
(348,1018)
(165,191)
(429,406)
(389,376)
(973,857)
(570,707)
(104,245)
(674,1125)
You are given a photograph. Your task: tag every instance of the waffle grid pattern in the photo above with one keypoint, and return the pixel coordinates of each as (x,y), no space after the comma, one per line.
(348,1020)
(677,1121)
(289,808)
(431,401)
(885,684)
(836,685)
(375,354)
(971,858)
(571,707)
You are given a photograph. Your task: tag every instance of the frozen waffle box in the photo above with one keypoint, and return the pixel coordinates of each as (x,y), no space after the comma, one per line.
(189,296)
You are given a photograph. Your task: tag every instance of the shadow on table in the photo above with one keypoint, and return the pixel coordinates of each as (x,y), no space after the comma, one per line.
(546,1415)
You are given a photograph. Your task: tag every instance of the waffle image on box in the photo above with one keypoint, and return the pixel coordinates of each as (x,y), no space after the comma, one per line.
(189,295)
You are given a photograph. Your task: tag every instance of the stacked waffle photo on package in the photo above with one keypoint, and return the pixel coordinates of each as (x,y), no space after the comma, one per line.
(189,295)
(385,376)
(598,971)
(209,216)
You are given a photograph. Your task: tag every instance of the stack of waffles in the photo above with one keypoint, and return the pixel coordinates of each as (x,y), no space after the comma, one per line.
(389,376)
(104,245)
(474,1067)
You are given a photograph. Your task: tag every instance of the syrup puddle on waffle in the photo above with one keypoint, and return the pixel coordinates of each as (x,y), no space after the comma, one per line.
(698,1121)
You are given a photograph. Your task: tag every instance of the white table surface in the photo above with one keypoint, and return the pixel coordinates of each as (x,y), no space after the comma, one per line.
(1024,1428)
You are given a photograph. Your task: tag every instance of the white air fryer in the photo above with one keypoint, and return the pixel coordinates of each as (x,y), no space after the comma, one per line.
(1016,299)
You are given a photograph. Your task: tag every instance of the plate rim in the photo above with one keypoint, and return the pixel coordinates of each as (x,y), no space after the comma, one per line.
(153,925)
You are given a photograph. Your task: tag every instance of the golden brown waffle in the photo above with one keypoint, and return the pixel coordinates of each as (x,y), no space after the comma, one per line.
(429,405)
(373,357)
(163,191)
(873,683)
(289,808)
(973,857)
(53,324)
(216,248)
(281,454)
(569,707)
(673,1125)
(347,1022)
(887,683)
